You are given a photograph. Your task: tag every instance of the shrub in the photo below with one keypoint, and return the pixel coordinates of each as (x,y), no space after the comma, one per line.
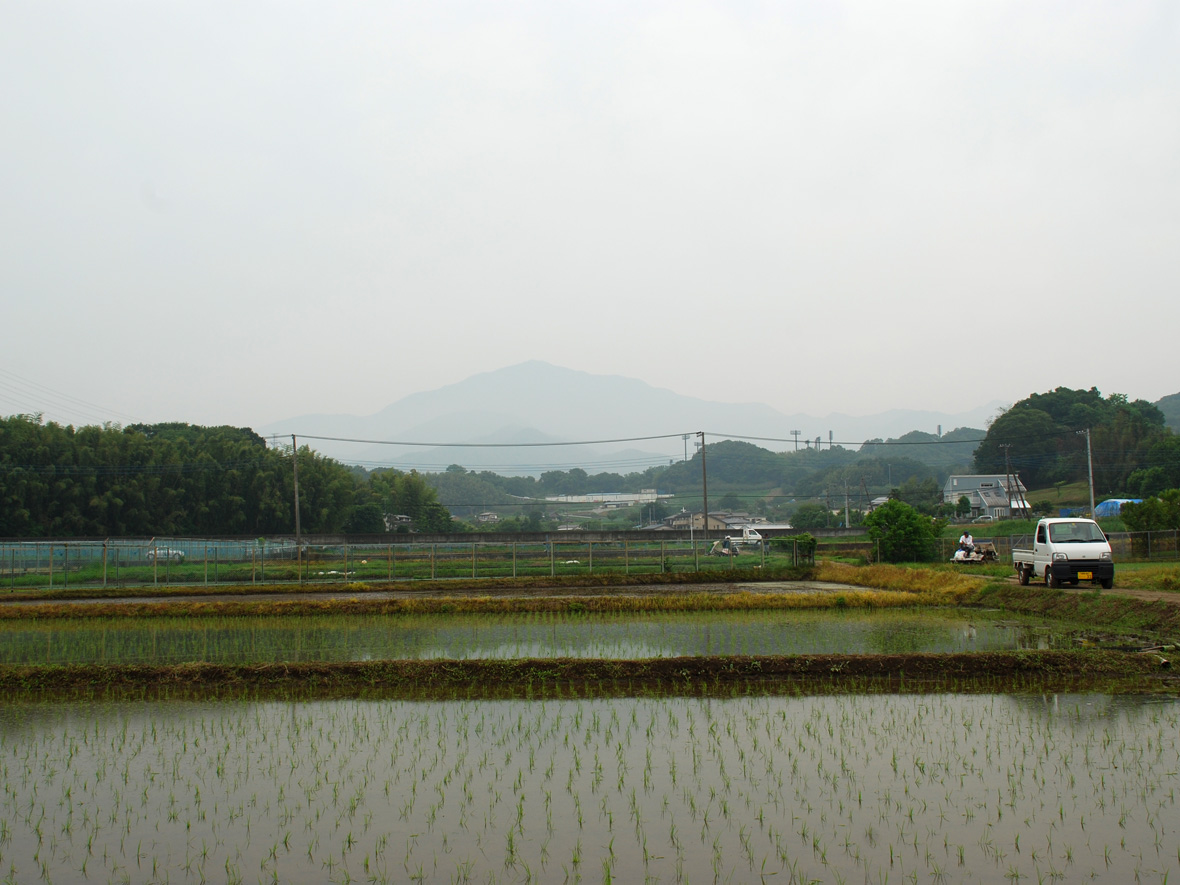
(901,533)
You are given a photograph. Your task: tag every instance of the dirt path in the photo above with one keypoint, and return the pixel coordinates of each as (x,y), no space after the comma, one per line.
(1133,593)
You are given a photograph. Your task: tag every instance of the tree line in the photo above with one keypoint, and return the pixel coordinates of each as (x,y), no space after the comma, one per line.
(183,479)
(179,479)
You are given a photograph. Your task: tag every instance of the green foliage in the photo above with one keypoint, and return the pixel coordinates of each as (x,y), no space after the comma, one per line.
(804,543)
(923,495)
(410,495)
(366,519)
(1169,407)
(947,452)
(182,479)
(1157,513)
(1042,439)
(467,494)
(812,516)
(901,533)
(731,465)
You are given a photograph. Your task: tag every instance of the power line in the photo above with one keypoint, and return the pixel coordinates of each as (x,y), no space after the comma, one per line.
(519,445)
(14,385)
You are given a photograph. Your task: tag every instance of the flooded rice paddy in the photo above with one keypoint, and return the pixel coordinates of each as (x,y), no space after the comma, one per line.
(492,636)
(869,788)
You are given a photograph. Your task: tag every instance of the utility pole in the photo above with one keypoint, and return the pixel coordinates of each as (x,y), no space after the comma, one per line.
(795,433)
(704,485)
(1089,468)
(295,476)
(846,522)
(686,436)
(1007,476)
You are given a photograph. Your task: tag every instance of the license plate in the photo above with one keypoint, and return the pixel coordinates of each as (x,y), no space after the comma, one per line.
(1085,576)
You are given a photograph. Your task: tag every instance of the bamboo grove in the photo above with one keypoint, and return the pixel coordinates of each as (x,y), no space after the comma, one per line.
(181,479)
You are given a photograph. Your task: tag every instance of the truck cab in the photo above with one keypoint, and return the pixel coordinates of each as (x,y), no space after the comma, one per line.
(1066,551)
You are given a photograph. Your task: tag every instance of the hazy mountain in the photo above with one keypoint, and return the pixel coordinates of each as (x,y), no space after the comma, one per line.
(955,448)
(1170,406)
(535,402)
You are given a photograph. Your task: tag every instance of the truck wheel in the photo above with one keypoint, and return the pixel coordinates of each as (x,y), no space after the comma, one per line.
(1022,576)
(1107,583)
(1053,582)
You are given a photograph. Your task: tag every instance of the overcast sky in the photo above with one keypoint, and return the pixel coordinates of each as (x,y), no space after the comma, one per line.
(236,212)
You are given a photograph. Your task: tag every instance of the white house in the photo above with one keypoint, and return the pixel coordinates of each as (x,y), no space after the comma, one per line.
(988,494)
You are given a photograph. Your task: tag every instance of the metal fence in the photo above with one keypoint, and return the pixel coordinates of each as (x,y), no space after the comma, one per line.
(180,561)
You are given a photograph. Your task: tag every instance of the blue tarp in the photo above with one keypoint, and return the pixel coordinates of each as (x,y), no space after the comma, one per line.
(1112,506)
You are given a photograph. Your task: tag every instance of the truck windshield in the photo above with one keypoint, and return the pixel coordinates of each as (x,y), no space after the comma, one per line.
(1079,532)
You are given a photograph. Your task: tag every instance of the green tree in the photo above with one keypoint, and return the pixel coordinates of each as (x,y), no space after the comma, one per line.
(901,533)
(1042,438)
(1156,514)
(729,501)
(923,495)
(812,516)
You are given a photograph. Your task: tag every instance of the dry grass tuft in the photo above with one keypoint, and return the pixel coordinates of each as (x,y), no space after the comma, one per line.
(930,586)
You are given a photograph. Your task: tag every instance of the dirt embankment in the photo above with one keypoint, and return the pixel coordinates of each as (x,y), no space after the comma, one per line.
(716,675)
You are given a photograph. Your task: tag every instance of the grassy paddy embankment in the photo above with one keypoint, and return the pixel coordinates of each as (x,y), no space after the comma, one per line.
(877,587)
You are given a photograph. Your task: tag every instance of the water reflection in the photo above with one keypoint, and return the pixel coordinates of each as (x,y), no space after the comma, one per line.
(353,638)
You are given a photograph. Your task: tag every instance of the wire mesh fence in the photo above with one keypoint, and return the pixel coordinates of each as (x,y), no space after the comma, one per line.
(187,561)
(180,561)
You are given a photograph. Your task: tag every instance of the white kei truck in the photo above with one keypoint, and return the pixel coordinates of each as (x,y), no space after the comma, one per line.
(1066,551)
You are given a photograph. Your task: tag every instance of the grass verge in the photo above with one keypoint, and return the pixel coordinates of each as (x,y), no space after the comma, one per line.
(1003,672)
(1108,611)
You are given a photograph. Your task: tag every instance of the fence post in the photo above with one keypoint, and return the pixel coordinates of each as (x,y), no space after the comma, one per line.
(104,563)
(696,563)
(389,556)
(552,558)
(590,554)
(626,557)
(661,556)
(473,559)
(432,546)
(50,566)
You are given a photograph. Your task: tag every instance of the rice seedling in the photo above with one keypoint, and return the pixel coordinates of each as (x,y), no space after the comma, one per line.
(838,787)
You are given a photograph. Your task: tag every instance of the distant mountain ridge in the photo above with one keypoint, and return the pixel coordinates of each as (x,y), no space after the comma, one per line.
(536,402)
(1170,406)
